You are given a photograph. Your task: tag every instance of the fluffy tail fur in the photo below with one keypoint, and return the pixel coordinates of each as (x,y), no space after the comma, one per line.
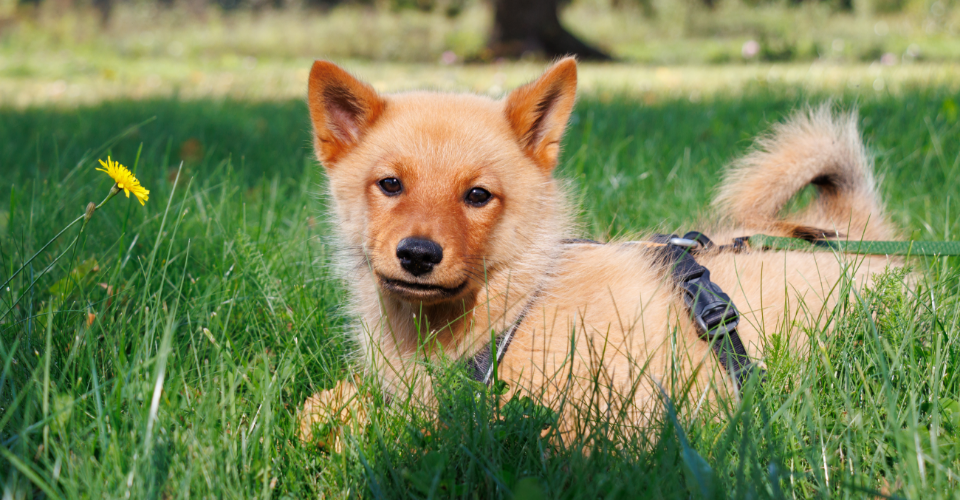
(814,147)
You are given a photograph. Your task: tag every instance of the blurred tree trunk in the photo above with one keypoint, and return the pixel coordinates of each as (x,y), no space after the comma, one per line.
(105,7)
(532,26)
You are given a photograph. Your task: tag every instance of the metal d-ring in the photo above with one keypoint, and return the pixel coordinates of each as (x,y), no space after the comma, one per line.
(684,242)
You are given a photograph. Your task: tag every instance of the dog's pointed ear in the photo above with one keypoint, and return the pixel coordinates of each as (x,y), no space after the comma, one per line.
(342,108)
(538,112)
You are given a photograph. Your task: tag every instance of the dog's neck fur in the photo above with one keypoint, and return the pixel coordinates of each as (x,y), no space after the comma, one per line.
(399,337)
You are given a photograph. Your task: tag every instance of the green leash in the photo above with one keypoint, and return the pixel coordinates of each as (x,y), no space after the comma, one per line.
(916,248)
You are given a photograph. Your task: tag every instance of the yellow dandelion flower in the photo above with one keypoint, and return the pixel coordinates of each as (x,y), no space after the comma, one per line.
(125,180)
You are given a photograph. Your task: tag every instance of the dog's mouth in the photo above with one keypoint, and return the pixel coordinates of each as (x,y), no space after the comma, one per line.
(420,291)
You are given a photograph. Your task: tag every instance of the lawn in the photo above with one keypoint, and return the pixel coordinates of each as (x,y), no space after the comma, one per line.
(166,354)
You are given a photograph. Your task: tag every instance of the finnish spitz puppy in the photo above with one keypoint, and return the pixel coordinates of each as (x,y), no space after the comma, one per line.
(452,230)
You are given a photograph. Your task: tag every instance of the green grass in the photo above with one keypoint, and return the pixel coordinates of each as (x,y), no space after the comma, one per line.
(220,292)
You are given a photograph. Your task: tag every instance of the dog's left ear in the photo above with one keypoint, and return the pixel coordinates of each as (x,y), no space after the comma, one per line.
(538,112)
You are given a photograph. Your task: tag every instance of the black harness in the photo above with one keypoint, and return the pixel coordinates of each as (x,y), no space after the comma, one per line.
(711,309)
(481,365)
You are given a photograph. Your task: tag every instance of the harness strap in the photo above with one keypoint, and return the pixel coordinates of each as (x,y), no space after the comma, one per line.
(712,310)
(481,365)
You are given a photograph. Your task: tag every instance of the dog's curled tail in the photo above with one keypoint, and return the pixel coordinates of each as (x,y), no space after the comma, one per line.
(818,148)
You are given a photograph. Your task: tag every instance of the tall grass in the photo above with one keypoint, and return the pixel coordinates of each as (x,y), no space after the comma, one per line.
(169,355)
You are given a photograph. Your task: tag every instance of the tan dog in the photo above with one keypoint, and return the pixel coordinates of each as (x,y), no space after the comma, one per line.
(452,227)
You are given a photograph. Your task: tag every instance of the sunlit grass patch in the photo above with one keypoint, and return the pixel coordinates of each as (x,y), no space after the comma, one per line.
(116,78)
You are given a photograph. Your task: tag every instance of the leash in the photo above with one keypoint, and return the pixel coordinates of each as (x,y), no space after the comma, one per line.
(909,248)
(782,243)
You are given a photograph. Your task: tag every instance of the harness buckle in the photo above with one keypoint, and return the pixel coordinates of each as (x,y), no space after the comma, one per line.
(712,310)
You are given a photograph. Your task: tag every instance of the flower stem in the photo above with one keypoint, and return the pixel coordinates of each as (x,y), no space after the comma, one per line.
(27,263)
(113,192)
(49,267)
(85,218)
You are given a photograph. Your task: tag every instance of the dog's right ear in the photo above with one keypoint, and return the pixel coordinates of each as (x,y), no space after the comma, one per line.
(342,108)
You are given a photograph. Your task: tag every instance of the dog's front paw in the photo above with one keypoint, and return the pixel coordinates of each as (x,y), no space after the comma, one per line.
(326,414)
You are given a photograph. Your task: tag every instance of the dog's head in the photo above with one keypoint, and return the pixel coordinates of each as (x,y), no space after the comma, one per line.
(439,190)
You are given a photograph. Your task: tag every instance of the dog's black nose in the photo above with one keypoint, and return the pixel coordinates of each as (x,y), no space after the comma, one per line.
(418,255)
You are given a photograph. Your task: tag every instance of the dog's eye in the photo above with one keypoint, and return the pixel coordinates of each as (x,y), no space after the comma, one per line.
(478,197)
(390,186)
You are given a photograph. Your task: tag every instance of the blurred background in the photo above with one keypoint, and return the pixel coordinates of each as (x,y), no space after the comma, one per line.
(204,100)
(84,51)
